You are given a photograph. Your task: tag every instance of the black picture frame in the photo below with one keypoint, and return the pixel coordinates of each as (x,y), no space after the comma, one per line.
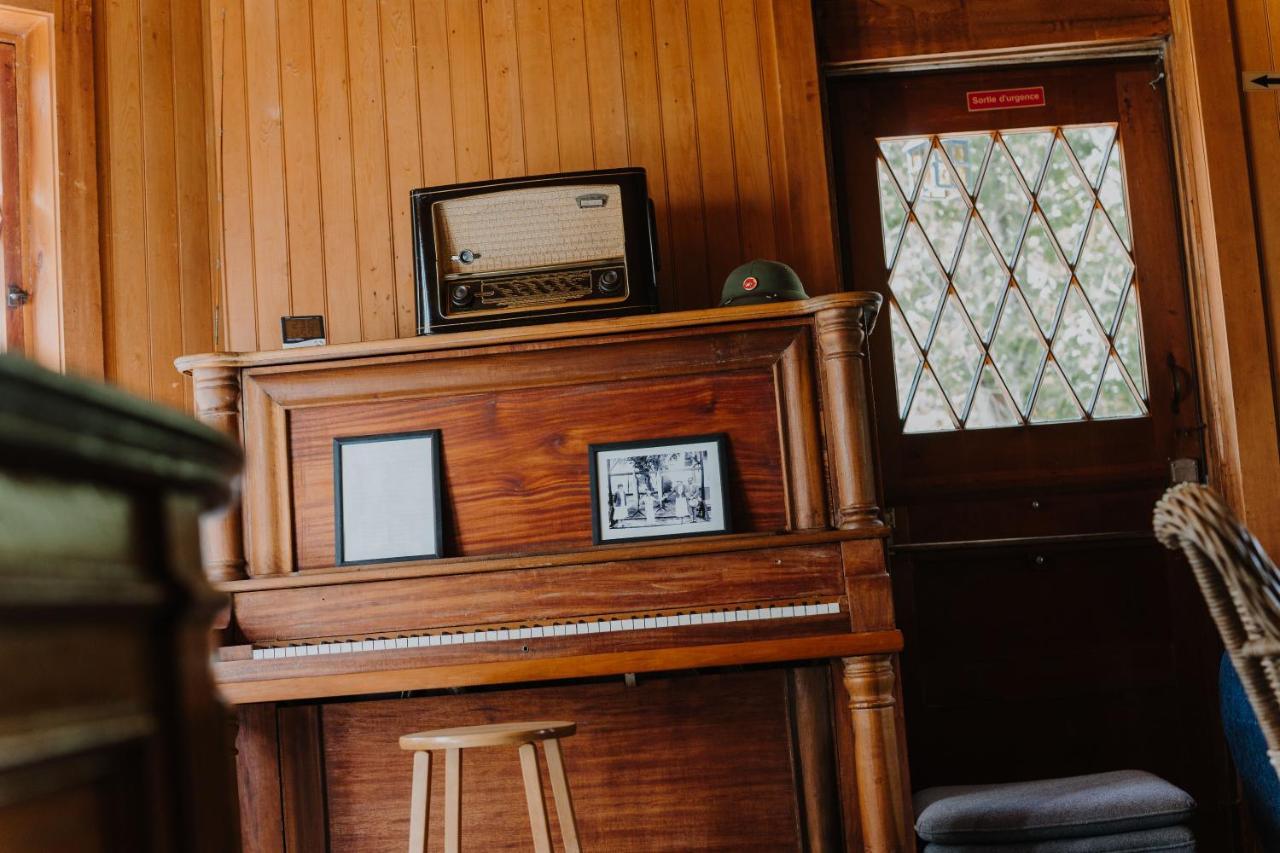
(436,490)
(721,442)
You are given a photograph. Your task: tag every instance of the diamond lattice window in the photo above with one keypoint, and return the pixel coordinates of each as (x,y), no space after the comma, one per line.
(1012,291)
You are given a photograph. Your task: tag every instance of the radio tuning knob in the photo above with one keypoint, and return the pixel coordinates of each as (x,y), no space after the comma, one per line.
(609,280)
(466,256)
(460,295)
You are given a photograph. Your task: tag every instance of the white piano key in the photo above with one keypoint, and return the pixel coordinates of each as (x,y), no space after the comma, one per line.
(257,654)
(504,634)
(661,621)
(559,630)
(615,624)
(833,607)
(694,619)
(593,627)
(469,637)
(788,612)
(574,629)
(402,642)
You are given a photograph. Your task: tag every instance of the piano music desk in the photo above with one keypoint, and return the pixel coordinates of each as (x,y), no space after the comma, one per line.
(745,636)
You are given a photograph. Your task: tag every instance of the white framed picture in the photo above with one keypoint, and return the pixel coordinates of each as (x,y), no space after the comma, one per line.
(659,489)
(387,497)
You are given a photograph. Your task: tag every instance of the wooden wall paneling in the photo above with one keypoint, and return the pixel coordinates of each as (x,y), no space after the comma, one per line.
(299,120)
(81,299)
(230,110)
(688,253)
(372,193)
(466,79)
(266,170)
(716,155)
(703,95)
(537,86)
(645,131)
(771,84)
(798,114)
(572,95)
(404,157)
(160,202)
(604,81)
(124,231)
(156,296)
(435,96)
(341,251)
(502,86)
(864,30)
(750,129)
(191,148)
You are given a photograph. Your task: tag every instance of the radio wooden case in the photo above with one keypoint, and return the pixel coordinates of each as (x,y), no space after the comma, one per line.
(578,245)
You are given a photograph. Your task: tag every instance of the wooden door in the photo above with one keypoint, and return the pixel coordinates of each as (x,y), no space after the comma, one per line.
(1033,381)
(13,291)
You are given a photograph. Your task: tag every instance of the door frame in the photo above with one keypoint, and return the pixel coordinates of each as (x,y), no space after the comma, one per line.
(1219,236)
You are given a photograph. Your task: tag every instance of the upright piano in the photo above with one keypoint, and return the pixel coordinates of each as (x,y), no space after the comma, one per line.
(733,692)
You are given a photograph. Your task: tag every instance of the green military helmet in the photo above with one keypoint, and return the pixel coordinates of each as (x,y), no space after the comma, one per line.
(761,281)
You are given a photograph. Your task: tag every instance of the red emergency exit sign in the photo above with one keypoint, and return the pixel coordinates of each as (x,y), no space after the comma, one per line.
(1005,99)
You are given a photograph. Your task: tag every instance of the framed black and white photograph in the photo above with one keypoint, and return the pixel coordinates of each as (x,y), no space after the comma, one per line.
(659,489)
(387,497)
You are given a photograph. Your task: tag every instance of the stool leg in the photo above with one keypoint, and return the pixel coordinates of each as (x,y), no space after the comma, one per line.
(453,801)
(564,802)
(420,802)
(533,793)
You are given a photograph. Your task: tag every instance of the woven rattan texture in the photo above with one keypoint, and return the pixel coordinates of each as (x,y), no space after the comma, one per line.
(1240,584)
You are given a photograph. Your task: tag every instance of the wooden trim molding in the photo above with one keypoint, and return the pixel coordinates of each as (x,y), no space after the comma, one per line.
(59,182)
(1223,265)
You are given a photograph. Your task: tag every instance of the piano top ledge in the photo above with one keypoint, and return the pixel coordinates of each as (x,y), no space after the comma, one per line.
(861,300)
(709,545)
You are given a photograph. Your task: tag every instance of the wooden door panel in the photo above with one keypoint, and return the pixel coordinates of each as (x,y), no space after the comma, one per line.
(1098,450)
(1046,633)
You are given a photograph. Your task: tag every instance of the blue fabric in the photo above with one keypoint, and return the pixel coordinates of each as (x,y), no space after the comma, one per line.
(1249,750)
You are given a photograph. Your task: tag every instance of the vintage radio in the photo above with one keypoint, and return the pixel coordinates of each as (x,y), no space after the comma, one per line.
(506,252)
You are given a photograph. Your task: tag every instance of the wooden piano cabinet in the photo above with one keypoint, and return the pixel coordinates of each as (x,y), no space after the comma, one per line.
(765,714)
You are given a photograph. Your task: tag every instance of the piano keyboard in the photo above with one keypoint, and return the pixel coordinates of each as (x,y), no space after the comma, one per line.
(557,628)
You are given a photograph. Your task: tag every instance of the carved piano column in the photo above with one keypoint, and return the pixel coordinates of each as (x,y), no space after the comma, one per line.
(842,340)
(217,399)
(877,763)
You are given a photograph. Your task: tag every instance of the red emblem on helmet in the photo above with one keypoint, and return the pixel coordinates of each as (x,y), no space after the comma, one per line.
(749,283)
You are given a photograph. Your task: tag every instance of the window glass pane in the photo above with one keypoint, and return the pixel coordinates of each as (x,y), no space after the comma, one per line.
(1013,291)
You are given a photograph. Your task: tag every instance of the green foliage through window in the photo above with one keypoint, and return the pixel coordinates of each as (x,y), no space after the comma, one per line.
(1013,292)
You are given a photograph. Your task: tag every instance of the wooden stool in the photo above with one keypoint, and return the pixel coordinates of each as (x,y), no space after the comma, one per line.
(453,741)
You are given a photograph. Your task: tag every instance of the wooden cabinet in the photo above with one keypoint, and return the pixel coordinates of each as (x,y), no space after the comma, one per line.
(110,736)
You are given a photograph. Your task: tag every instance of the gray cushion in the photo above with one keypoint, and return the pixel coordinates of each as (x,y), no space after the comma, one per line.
(1167,839)
(1097,804)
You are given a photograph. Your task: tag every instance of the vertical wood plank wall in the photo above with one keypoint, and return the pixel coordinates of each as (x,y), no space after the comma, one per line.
(327,112)
(153,202)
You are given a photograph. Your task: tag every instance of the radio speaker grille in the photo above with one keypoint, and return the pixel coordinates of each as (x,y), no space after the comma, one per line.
(529,228)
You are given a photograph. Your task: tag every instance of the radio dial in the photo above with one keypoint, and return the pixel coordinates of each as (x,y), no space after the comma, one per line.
(609,281)
(460,295)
